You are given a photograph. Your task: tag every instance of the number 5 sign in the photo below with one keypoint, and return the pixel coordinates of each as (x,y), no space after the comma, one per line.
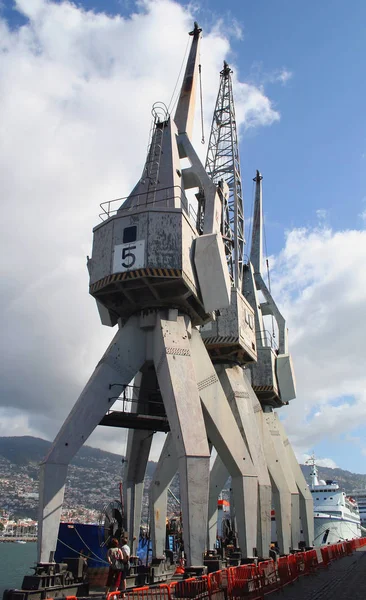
(128,257)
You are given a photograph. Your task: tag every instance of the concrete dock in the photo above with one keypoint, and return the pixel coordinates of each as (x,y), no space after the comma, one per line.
(344,579)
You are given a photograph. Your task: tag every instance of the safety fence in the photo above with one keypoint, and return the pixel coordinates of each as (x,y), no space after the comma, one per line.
(250,581)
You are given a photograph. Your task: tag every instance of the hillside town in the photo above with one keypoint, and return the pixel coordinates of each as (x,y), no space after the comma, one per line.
(93,482)
(89,489)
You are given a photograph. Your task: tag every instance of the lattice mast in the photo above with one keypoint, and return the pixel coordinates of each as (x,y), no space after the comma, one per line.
(223,164)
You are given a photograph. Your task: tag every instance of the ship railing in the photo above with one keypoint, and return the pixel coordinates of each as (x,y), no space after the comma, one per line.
(164,197)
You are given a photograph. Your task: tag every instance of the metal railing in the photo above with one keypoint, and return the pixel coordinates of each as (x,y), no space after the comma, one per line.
(267,338)
(147,405)
(163,197)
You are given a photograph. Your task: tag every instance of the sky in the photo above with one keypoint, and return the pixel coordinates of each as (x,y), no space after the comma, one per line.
(77,83)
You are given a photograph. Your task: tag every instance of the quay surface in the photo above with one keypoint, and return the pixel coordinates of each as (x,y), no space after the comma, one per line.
(344,579)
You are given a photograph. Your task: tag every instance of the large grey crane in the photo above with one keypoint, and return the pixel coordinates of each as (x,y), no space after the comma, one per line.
(271,375)
(273,381)
(158,278)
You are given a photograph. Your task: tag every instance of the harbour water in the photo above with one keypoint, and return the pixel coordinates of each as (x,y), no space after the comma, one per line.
(16,560)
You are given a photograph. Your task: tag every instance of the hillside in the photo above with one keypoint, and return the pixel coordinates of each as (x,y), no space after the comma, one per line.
(93,478)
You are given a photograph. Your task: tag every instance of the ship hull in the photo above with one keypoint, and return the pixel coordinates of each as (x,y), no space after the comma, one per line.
(329,529)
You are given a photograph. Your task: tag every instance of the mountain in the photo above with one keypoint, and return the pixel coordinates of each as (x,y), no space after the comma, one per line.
(347,480)
(93,478)
(27,450)
(92,482)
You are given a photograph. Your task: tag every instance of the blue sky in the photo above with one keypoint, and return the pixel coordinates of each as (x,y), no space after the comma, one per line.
(301,62)
(314,158)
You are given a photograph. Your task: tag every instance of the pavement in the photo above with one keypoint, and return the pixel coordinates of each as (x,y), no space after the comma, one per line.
(343,579)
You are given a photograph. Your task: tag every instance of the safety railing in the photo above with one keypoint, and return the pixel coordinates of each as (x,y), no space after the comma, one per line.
(132,401)
(267,339)
(164,197)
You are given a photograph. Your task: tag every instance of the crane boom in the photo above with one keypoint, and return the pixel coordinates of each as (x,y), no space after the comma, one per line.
(223,163)
(184,115)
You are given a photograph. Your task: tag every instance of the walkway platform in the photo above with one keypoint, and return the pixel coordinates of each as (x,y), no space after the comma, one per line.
(344,579)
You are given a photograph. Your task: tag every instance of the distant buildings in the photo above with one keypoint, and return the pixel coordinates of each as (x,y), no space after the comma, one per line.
(23,528)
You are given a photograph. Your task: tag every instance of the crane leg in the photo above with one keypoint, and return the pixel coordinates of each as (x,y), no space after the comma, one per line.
(218,477)
(239,393)
(178,385)
(137,456)
(306,500)
(123,358)
(288,481)
(224,434)
(164,473)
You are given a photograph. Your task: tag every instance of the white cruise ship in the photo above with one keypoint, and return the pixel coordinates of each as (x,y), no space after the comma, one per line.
(336,515)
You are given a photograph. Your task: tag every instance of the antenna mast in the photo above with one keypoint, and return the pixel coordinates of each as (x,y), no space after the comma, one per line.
(223,164)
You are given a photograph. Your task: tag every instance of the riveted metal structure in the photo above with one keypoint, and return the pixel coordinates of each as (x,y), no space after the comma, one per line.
(223,164)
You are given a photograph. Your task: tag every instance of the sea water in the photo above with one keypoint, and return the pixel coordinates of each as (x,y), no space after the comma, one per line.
(16,561)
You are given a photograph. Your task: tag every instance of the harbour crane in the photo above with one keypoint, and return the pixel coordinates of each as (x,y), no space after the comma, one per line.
(158,277)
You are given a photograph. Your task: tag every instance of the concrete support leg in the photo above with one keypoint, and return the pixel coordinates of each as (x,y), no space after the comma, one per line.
(138,450)
(281,495)
(224,434)
(164,473)
(123,358)
(281,457)
(239,394)
(306,500)
(178,385)
(218,477)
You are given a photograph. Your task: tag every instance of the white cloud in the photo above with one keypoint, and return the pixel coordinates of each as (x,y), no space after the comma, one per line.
(320,283)
(76,89)
(253,108)
(327,462)
(322,214)
(283,76)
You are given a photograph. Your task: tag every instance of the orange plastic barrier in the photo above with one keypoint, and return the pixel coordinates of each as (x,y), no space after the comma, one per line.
(244,581)
(218,580)
(194,587)
(311,561)
(113,595)
(268,576)
(300,563)
(292,565)
(284,572)
(158,592)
